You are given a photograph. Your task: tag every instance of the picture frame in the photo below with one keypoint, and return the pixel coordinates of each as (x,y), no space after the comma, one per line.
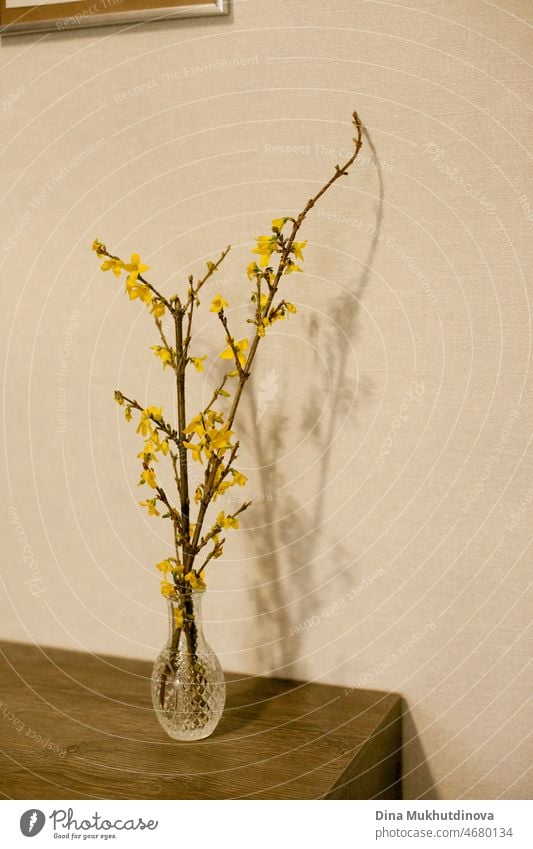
(49,16)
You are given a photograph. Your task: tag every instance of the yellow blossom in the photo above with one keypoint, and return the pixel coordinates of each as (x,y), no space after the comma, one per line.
(227,521)
(100,249)
(198,493)
(127,413)
(196,581)
(252,269)
(148,476)
(297,248)
(198,362)
(164,566)
(150,504)
(119,397)
(135,267)
(155,412)
(116,265)
(219,439)
(218,304)
(221,488)
(196,448)
(147,453)
(279,223)
(167,589)
(240,347)
(290,307)
(154,442)
(261,327)
(266,246)
(291,267)
(196,426)
(158,309)
(239,478)
(164,354)
(145,427)
(138,290)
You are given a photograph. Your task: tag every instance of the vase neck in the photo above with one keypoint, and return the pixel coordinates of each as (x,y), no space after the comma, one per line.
(185,613)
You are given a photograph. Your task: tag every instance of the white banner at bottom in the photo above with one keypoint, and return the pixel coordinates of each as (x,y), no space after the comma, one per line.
(268,824)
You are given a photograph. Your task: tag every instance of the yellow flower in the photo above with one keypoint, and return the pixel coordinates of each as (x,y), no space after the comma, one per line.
(135,267)
(145,427)
(297,248)
(158,309)
(198,494)
(220,438)
(196,581)
(239,478)
(198,362)
(196,426)
(279,223)
(227,521)
(221,488)
(218,304)
(116,265)
(240,346)
(164,566)
(150,504)
(148,476)
(100,249)
(119,397)
(290,307)
(138,290)
(155,444)
(170,565)
(266,246)
(167,589)
(147,452)
(196,448)
(177,613)
(164,354)
(155,412)
(252,269)
(291,267)
(127,414)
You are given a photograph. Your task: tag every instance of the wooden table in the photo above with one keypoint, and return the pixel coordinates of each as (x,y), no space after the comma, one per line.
(78,726)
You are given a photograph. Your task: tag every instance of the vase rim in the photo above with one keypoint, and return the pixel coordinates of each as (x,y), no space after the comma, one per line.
(178,593)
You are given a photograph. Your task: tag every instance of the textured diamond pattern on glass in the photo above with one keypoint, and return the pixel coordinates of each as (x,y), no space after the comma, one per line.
(188,687)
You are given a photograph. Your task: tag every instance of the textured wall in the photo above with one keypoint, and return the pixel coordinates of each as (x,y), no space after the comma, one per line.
(387,428)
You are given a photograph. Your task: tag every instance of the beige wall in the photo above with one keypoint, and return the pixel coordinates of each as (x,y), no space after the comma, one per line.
(387,546)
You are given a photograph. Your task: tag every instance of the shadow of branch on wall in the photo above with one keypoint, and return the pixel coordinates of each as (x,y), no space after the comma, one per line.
(293,573)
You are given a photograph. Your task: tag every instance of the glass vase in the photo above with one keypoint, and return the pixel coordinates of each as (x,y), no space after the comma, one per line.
(188,687)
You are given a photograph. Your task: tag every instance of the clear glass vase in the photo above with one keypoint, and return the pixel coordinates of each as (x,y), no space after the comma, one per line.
(188,687)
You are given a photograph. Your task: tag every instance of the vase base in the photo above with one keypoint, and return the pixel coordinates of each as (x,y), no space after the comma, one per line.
(186,735)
